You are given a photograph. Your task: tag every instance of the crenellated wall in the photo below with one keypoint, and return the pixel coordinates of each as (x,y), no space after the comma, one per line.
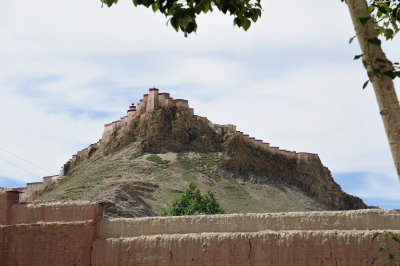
(152,101)
(75,234)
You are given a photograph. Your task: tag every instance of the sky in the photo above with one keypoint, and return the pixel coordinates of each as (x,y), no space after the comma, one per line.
(69,67)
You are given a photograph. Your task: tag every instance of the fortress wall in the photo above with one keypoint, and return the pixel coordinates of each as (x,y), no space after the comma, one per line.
(50,179)
(167,102)
(12,212)
(118,124)
(308,157)
(302,156)
(329,220)
(259,248)
(140,107)
(180,103)
(7,199)
(31,188)
(297,238)
(46,244)
(124,120)
(53,212)
(107,131)
(152,101)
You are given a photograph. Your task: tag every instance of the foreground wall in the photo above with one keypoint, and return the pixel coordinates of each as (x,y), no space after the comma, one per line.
(260,248)
(46,244)
(296,238)
(75,234)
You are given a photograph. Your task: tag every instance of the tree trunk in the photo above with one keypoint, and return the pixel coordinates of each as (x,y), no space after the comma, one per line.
(383,85)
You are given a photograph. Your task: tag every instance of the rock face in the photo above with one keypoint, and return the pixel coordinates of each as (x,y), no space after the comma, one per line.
(308,175)
(161,125)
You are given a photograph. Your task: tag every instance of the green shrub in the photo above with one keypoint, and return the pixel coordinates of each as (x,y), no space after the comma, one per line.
(191,202)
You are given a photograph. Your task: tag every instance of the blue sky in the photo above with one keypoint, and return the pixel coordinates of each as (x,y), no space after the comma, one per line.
(69,67)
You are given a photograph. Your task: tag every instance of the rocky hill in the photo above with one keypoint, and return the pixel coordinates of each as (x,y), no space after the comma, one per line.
(149,156)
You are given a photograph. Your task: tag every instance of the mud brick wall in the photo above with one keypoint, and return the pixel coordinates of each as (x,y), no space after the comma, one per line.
(260,248)
(46,244)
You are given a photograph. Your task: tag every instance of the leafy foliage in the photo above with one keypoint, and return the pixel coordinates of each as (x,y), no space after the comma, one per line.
(385,17)
(182,14)
(191,202)
(391,257)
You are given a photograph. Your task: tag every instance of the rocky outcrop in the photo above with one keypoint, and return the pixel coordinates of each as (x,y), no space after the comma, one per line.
(308,175)
(126,201)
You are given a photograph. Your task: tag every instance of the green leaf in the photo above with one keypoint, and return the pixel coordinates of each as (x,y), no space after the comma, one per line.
(364,86)
(396,239)
(363,20)
(396,73)
(389,34)
(155,7)
(352,38)
(358,56)
(174,23)
(254,15)
(377,71)
(382,246)
(390,74)
(375,41)
(371,9)
(380,60)
(382,9)
(237,21)
(376,234)
(206,7)
(246,24)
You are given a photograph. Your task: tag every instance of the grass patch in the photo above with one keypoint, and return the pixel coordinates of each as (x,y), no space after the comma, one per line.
(157,159)
(206,163)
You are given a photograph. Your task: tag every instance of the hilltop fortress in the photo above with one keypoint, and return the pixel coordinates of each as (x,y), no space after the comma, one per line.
(152,101)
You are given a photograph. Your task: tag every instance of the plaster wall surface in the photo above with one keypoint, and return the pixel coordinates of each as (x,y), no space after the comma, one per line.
(307,238)
(351,248)
(31,188)
(46,244)
(371,219)
(7,200)
(51,212)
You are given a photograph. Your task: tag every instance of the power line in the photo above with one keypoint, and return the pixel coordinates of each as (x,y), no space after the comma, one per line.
(19,157)
(19,167)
